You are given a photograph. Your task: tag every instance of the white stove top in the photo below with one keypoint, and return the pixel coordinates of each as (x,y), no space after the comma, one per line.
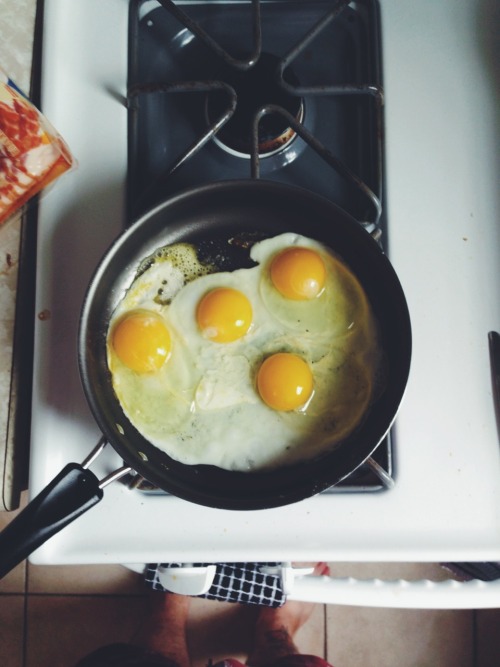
(444,241)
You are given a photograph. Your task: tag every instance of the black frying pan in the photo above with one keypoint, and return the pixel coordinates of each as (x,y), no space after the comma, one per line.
(208,217)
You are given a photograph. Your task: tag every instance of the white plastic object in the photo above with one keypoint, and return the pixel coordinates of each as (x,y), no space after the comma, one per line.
(187,580)
(287,574)
(424,594)
(300,584)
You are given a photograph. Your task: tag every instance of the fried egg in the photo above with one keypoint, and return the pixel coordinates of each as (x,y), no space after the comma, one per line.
(247,369)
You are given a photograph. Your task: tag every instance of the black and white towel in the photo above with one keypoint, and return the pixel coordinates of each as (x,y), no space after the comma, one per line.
(233,582)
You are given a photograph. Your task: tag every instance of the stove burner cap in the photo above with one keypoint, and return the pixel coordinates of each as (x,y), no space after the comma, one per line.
(255,88)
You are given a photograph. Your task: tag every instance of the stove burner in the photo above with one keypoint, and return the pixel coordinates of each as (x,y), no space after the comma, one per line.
(195,110)
(255,88)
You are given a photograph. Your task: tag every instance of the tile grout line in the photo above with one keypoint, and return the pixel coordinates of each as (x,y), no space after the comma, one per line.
(55,594)
(25,617)
(25,632)
(325,632)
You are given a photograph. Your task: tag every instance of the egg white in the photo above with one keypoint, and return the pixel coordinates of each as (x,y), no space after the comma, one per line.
(335,311)
(202,406)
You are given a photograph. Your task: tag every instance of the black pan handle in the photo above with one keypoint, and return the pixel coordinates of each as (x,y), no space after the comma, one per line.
(71,493)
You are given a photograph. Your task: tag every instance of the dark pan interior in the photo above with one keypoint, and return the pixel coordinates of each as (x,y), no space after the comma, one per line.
(215,213)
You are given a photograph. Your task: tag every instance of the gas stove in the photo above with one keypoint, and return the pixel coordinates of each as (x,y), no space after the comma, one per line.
(297,101)
(160,104)
(193,104)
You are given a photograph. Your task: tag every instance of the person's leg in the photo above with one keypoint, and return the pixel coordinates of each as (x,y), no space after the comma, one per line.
(160,641)
(164,628)
(276,628)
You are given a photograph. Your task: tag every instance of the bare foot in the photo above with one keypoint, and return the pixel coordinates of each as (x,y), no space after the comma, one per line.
(276,627)
(164,628)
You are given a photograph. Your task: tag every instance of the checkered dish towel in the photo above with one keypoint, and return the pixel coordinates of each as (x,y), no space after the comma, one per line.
(233,582)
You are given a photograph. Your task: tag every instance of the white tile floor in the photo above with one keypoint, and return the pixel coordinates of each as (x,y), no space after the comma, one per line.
(52,616)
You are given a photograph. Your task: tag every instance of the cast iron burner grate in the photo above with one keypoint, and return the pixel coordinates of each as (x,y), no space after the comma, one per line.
(284,90)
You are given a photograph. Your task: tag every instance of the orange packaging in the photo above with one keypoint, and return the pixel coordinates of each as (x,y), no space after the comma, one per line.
(32,154)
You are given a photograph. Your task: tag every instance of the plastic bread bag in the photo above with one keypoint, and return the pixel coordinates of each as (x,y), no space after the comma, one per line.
(32,154)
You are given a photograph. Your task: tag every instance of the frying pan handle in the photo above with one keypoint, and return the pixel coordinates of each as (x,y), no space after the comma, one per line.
(71,493)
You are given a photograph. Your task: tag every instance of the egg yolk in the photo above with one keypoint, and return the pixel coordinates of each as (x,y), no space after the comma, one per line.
(142,341)
(224,315)
(285,381)
(298,273)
